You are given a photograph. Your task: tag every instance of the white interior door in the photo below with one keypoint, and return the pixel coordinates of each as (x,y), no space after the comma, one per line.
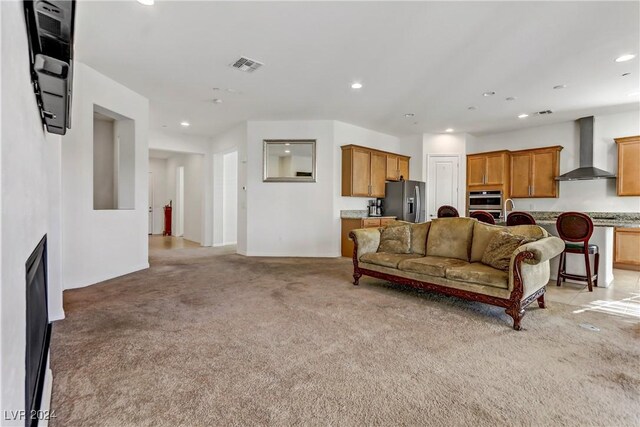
(150,202)
(443,185)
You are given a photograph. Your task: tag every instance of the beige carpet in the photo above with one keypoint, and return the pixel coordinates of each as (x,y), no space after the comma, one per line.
(227,340)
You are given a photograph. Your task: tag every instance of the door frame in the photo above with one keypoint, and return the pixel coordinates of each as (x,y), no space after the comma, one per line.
(460,202)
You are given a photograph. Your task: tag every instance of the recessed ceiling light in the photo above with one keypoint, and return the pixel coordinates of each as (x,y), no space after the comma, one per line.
(287,143)
(624,58)
(559,86)
(217,101)
(185,124)
(522,116)
(448,130)
(626,74)
(472,108)
(511,98)
(146,2)
(287,151)
(408,115)
(490,93)
(356,85)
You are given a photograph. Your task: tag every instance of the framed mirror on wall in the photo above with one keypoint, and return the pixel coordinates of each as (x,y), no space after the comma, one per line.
(289,160)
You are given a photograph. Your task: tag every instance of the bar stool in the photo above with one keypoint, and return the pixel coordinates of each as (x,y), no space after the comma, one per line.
(520,218)
(447,211)
(483,216)
(577,228)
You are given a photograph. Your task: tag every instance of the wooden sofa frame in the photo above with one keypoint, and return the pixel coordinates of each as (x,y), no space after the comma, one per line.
(514,305)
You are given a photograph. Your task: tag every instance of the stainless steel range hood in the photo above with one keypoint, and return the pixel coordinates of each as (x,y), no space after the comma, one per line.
(586,169)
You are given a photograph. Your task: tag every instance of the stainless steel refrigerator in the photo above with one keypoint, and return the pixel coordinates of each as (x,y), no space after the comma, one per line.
(405,200)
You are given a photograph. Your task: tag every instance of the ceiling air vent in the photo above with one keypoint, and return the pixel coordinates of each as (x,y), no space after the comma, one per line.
(544,112)
(247,65)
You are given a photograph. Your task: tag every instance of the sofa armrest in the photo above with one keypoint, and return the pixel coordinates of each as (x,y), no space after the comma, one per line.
(542,250)
(529,267)
(366,240)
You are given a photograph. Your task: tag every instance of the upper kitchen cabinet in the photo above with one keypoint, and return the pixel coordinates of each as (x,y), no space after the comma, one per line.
(365,171)
(534,172)
(628,169)
(397,166)
(488,169)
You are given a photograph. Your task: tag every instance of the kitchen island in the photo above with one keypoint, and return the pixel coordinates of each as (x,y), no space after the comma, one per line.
(603,236)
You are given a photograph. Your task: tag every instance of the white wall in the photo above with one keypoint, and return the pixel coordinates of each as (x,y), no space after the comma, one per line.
(193,193)
(589,196)
(158,173)
(291,219)
(29,179)
(190,144)
(100,245)
(451,144)
(230,198)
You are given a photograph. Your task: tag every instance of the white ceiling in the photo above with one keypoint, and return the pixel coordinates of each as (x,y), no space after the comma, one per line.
(433,59)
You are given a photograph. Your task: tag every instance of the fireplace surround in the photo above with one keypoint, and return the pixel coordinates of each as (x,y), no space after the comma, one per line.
(38,331)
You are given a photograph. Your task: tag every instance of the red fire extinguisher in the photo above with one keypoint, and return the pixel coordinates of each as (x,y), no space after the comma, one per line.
(167,219)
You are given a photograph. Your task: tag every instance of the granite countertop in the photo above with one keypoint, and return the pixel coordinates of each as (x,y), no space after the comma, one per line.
(600,219)
(357,214)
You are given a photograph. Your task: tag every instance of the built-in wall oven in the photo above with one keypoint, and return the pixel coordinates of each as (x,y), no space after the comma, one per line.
(488,201)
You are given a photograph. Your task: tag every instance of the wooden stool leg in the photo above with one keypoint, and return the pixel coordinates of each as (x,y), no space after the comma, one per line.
(596,260)
(559,278)
(588,267)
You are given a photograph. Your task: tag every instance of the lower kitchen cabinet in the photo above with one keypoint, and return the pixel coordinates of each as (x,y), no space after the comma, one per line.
(626,252)
(349,224)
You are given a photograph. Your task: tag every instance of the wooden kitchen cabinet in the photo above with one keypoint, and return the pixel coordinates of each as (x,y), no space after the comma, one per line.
(533,172)
(397,166)
(403,167)
(628,166)
(487,170)
(365,171)
(626,248)
(349,224)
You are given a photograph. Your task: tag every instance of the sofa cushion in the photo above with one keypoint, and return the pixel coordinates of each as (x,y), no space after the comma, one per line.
(386,259)
(419,232)
(450,238)
(395,240)
(501,248)
(482,235)
(479,273)
(430,265)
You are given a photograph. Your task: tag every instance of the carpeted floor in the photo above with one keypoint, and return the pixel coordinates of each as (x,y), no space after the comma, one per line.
(227,340)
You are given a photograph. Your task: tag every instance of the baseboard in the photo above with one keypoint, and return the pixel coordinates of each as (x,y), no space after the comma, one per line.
(55,316)
(99,279)
(45,404)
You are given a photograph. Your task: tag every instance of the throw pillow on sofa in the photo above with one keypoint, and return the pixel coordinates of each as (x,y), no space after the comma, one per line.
(501,248)
(418,231)
(395,240)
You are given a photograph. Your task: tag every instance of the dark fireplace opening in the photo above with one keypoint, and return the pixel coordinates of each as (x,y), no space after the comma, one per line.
(38,331)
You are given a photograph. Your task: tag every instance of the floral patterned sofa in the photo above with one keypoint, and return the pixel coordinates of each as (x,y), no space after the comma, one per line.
(503,266)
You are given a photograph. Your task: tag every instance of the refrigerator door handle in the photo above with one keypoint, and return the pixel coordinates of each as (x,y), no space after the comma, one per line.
(418,203)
